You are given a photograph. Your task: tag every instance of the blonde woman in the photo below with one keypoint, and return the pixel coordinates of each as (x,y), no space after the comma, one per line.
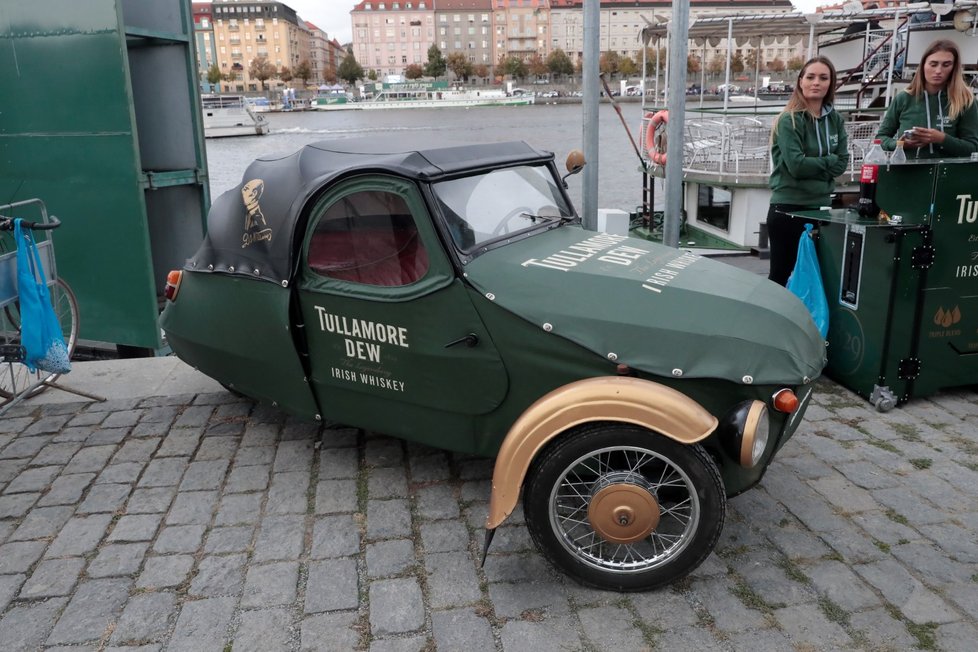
(808,152)
(936,115)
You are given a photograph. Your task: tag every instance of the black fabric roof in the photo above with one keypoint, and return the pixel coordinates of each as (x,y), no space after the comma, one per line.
(254,229)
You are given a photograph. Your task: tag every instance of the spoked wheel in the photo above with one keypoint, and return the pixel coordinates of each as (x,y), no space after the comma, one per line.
(619,507)
(15,376)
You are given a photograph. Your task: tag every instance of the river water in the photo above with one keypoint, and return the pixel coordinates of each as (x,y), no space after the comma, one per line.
(553,127)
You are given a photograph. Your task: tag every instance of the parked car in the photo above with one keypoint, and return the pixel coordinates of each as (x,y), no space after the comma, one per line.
(694,89)
(729,88)
(448,295)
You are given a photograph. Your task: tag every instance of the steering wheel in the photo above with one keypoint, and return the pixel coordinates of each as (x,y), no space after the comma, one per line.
(501,227)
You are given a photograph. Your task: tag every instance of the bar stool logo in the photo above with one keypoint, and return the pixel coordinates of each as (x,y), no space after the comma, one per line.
(945,319)
(256,229)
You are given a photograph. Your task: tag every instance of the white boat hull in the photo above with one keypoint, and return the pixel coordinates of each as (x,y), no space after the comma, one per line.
(226,116)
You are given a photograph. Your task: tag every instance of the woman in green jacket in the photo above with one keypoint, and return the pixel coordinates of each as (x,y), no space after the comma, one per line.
(936,116)
(808,151)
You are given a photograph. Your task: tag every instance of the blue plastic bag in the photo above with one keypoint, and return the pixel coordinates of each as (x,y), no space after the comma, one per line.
(40,332)
(806,282)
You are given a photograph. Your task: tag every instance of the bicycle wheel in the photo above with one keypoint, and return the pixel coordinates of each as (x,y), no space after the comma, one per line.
(15,377)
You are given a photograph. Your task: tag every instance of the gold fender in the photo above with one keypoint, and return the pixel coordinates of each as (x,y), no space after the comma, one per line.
(611,398)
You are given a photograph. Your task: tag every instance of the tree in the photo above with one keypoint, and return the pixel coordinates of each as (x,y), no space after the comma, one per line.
(285,74)
(537,66)
(609,63)
(775,65)
(559,63)
(755,60)
(413,71)
(481,71)
(261,69)
(627,67)
(436,65)
(515,67)
(372,75)
(737,63)
(716,65)
(652,55)
(693,64)
(304,72)
(795,63)
(214,74)
(350,71)
(460,65)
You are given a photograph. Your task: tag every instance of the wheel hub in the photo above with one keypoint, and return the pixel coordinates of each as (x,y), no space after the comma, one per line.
(621,511)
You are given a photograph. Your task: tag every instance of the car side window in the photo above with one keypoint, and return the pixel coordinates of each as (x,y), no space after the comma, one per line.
(368,237)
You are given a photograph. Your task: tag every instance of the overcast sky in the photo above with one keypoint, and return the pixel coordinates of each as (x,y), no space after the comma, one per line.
(331,16)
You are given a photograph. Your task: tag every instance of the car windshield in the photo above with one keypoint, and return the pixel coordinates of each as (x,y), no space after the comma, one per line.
(486,207)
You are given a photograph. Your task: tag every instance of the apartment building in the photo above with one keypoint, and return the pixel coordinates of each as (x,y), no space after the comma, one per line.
(465,26)
(622,20)
(521,28)
(390,35)
(204,42)
(246,29)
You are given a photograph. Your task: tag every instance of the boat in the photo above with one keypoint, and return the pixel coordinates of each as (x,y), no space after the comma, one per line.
(726,139)
(231,115)
(423,95)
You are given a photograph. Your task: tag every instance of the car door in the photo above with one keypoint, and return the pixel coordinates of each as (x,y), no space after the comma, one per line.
(391,331)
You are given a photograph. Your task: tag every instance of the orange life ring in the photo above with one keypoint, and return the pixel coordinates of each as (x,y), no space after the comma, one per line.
(655,138)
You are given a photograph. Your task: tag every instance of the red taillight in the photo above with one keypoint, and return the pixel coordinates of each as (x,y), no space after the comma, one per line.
(785,401)
(172,284)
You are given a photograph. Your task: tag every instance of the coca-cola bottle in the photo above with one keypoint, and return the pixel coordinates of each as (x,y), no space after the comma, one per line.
(867,180)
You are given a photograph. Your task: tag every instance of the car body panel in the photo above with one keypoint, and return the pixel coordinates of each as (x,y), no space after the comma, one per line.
(238,331)
(627,400)
(653,308)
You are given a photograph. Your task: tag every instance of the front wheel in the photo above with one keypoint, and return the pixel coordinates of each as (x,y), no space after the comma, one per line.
(619,507)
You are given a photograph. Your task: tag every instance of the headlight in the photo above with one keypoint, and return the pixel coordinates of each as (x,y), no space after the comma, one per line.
(744,432)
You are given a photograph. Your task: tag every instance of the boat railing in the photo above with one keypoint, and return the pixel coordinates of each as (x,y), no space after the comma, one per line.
(737,148)
(222,101)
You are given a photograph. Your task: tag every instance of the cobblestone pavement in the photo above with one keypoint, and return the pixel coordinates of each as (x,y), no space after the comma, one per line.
(207,523)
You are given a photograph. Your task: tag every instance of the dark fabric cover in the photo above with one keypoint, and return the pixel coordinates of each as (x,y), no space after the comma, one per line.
(256,228)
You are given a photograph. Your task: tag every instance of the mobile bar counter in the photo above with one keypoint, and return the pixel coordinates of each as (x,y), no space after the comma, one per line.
(903,289)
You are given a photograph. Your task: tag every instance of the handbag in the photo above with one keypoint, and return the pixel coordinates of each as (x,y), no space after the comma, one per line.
(806,282)
(40,331)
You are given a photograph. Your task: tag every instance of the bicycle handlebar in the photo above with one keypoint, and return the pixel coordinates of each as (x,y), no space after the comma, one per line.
(7,224)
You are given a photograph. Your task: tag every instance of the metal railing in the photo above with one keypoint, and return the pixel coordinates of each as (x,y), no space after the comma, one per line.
(736,149)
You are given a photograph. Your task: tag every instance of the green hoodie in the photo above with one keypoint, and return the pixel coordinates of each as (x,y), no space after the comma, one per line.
(907,111)
(807,154)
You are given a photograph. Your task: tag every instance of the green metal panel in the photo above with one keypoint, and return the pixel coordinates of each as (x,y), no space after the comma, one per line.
(869,335)
(948,344)
(76,134)
(237,329)
(915,328)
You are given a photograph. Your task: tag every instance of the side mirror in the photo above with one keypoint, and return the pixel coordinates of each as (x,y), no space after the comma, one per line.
(575,163)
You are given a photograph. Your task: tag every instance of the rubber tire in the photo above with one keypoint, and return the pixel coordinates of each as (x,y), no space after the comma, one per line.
(551,463)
